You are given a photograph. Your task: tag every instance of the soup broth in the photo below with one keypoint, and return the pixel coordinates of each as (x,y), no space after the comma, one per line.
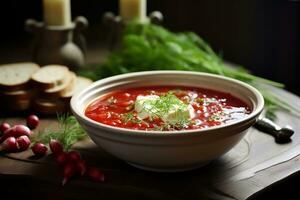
(167,108)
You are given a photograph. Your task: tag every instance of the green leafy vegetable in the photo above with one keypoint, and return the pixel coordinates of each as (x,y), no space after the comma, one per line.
(150,47)
(68,132)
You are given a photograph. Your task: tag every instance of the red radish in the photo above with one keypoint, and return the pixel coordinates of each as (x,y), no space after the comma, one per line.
(39,149)
(3,127)
(81,167)
(32,121)
(95,174)
(23,142)
(73,156)
(21,130)
(69,171)
(9,145)
(55,146)
(61,158)
(16,131)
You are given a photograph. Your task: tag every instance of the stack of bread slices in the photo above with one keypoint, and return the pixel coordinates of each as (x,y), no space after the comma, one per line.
(46,90)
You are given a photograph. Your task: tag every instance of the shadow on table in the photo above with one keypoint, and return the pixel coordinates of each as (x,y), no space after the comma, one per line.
(285,189)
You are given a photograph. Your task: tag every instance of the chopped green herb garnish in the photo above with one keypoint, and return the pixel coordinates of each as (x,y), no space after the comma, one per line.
(174,125)
(214,117)
(200,100)
(129,117)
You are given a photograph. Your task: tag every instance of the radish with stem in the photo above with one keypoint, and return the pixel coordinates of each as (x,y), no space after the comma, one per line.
(81,166)
(73,156)
(55,146)
(69,172)
(61,158)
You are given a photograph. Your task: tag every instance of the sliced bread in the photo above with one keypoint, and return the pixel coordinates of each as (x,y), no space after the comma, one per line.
(50,76)
(81,83)
(16,76)
(48,106)
(16,95)
(67,84)
(16,105)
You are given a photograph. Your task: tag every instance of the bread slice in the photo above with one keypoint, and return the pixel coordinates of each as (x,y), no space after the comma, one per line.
(81,83)
(15,105)
(20,105)
(16,100)
(16,95)
(50,76)
(67,84)
(16,76)
(49,106)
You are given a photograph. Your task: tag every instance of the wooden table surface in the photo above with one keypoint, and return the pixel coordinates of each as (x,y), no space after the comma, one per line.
(252,165)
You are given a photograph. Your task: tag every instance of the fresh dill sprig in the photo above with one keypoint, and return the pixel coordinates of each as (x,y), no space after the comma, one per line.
(69,132)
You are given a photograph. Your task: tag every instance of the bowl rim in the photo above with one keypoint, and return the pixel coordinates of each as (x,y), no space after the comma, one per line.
(132,132)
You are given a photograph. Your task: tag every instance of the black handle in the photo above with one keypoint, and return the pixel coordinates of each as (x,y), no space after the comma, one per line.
(281,134)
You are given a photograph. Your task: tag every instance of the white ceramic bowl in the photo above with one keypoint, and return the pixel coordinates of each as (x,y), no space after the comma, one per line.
(172,150)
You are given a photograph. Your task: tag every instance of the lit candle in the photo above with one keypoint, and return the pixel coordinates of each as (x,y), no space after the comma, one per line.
(133,10)
(57,12)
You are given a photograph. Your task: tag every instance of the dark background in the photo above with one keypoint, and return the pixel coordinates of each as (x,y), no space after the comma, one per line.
(262,35)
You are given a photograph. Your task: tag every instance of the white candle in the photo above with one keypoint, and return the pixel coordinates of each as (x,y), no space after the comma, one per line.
(133,10)
(57,12)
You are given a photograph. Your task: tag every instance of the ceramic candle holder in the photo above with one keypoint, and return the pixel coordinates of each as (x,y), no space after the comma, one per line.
(63,45)
(115,26)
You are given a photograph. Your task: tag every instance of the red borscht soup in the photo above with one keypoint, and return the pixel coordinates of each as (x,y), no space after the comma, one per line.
(166,108)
